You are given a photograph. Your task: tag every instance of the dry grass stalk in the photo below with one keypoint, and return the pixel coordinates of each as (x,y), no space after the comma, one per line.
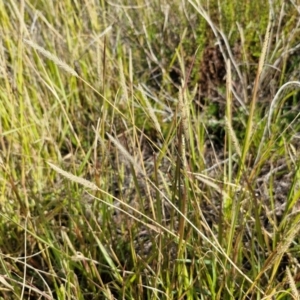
(52,57)
(292,284)
(74,178)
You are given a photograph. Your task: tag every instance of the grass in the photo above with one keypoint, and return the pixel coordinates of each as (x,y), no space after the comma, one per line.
(149,150)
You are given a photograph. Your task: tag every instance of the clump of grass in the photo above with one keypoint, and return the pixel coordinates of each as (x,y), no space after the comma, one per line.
(112,183)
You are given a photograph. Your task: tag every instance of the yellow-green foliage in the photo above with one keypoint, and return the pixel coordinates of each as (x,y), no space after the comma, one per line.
(88,101)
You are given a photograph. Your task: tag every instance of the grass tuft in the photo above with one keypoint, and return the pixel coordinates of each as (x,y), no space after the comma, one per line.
(149,150)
